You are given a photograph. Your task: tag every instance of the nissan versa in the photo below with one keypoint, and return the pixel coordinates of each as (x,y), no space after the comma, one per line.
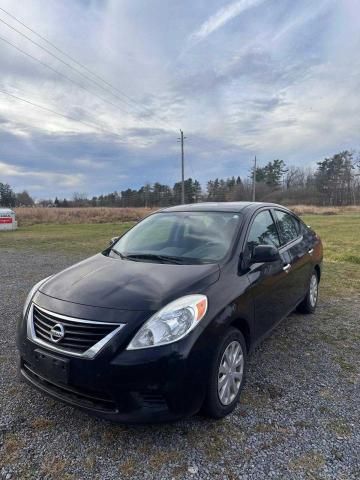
(159,325)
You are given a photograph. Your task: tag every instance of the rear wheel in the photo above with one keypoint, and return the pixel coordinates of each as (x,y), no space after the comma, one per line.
(227,375)
(308,305)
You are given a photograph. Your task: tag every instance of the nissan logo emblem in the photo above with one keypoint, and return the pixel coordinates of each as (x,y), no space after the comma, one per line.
(57,333)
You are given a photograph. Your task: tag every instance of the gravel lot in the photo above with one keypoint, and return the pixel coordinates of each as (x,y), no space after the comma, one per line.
(298,419)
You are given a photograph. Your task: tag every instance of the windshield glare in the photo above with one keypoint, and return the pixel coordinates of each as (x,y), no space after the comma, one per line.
(193,237)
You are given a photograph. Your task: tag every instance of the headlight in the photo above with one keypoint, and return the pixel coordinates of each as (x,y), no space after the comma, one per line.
(32,292)
(171,323)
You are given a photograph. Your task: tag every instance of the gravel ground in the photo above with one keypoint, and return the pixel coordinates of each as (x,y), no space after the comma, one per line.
(298,419)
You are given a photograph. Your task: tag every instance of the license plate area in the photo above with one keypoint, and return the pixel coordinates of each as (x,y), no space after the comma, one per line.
(51,367)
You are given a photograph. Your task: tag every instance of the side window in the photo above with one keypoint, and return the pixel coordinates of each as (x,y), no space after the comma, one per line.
(304,229)
(262,232)
(288,225)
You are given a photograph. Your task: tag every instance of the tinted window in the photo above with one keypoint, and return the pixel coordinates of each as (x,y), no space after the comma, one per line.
(288,225)
(193,237)
(303,228)
(263,231)
(154,233)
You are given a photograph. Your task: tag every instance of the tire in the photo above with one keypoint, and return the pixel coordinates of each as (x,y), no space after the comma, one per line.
(219,403)
(308,305)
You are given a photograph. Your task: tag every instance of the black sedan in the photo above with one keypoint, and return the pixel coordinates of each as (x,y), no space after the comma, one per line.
(159,325)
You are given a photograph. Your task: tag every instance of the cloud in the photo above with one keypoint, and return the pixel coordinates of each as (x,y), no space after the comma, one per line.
(280,81)
(89,163)
(221,17)
(50,178)
(302,19)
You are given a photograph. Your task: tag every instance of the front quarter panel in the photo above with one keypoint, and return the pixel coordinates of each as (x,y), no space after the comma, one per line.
(230,301)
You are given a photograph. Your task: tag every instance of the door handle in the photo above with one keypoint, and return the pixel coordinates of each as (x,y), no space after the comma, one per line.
(311,251)
(287,267)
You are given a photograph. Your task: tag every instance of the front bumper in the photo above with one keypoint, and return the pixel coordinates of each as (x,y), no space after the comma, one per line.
(151,385)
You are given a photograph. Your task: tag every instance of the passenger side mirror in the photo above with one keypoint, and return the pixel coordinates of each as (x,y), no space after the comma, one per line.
(265,253)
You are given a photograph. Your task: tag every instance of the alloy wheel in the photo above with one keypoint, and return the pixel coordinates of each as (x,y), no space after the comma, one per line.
(313,292)
(231,370)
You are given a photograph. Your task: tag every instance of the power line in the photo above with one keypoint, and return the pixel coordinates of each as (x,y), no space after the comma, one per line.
(79,72)
(68,117)
(58,58)
(64,53)
(61,74)
(77,63)
(58,72)
(70,57)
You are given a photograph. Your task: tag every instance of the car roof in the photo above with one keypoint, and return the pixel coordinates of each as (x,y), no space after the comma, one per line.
(6,210)
(219,207)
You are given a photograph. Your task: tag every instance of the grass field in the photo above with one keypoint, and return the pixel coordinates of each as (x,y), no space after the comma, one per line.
(68,216)
(340,234)
(87,238)
(299,406)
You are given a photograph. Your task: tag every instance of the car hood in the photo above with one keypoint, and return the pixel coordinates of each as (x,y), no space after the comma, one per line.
(102,281)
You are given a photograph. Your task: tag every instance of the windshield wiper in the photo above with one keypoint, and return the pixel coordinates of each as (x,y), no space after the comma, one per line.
(117,253)
(155,257)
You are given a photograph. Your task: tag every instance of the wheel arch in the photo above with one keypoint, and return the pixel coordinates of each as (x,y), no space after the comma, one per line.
(244,327)
(318,271)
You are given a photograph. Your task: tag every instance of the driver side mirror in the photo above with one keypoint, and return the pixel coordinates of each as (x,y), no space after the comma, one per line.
(265,253)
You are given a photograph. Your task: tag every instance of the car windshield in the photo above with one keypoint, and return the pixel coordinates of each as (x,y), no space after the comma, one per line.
(180,237)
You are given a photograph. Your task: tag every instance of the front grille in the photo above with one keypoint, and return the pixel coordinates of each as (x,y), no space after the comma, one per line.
(81,398)
(78,335)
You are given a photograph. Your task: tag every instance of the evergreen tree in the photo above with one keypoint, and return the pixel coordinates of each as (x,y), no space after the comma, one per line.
(7,196)
(272,173)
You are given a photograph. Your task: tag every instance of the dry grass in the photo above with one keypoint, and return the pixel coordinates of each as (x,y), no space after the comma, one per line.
(42,423)
(10,449)
(64,216)
(315,210)
(339,427)
(128,468)
(309,462)
(53,467)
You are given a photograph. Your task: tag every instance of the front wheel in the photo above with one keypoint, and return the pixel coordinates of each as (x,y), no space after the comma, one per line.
(227,375)
(308,305)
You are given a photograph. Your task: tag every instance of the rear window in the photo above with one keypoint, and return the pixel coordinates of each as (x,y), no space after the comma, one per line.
(288,225)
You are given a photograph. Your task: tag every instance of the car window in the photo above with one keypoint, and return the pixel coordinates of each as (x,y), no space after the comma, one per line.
(304,229)
(263,231)
(193,237)
(159,232)
(289,227)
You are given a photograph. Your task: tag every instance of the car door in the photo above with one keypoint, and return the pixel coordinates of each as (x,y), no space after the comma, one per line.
(268,281)
(293,242)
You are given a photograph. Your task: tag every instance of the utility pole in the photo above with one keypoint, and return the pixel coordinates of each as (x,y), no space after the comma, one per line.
(181,139)
(254,181)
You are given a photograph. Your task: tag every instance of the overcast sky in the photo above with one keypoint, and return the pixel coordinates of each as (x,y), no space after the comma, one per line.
(277,78)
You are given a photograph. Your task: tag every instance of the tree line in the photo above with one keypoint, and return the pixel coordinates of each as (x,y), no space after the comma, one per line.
(334,182)
(8,198)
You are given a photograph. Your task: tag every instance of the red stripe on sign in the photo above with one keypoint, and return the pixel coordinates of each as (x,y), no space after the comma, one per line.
(6,220)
